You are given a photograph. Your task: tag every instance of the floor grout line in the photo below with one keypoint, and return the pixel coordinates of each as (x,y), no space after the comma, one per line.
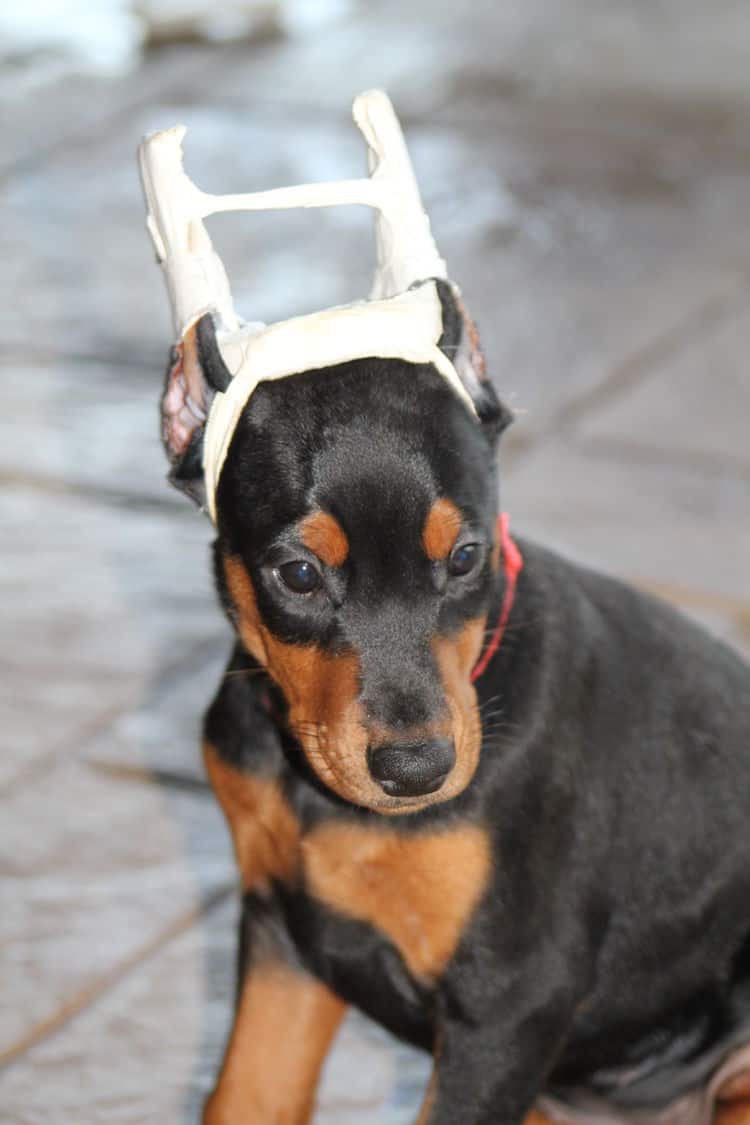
(85,999)
(635,369)
(697,461)
(53,486)
(20,357)
(147,775)
(641,366)
(165,679)
(691,597)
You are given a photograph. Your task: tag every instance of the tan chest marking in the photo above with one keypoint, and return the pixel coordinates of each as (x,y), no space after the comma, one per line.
(264,828)
(420,891)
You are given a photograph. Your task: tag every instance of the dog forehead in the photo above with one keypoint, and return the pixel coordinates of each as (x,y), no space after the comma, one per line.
(369,468)
(386,485)
(394,489)
(375,444)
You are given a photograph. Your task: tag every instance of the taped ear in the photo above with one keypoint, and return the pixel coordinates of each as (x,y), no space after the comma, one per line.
(460,343)
(195,372)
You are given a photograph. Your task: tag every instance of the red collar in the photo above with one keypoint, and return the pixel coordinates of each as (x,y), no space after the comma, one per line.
(512,564)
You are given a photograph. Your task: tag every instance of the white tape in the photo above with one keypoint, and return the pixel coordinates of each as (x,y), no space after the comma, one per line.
(405,327)
(397,322)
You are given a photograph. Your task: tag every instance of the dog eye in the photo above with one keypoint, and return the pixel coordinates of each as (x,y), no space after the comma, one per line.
(299,576)
(464,559)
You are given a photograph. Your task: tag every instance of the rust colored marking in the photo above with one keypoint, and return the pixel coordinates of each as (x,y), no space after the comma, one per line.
(732,1113)
(429,1099)
(420,891)
(325,714)
(497,553)
(264,829)
(736,1087)
(441,529)
(283,1028)
(242,593)
(430,1095)
(325,537)
(322,693)
(536,1117)
(456,657)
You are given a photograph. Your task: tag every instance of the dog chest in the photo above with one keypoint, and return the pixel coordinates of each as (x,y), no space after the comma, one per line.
(419,890)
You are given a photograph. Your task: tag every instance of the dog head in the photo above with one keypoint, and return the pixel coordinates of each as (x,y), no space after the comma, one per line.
(355,554)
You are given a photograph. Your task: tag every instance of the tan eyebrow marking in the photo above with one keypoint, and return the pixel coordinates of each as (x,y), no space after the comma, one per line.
(325,537)
(441,529)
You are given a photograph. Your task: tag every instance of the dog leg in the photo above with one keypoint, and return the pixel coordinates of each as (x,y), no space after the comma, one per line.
(534,1117)
(733,1094)
(495,1046)
(284,1024)
(285,1018)
(472,1085)
(429,1099)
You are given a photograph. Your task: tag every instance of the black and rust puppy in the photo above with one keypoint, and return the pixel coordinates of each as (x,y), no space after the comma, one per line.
(542,876)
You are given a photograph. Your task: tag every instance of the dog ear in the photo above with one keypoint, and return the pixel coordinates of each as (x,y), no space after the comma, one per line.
(460,342)
(196,371)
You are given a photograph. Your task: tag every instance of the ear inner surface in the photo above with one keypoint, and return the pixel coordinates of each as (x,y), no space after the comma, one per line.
(183,404)
(460,342)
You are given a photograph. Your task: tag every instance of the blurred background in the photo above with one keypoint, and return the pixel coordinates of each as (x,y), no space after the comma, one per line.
(586,165)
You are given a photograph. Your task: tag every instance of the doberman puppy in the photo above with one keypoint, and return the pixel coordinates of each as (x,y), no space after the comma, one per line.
(541,874)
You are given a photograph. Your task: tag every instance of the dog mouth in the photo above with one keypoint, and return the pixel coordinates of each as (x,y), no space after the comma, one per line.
(442,790)
(391,778)
(396,789)
(385,769)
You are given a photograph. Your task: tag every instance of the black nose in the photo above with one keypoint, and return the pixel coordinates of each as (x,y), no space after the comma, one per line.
(413,768)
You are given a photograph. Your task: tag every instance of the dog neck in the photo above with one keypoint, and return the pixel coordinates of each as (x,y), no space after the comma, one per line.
(512,566)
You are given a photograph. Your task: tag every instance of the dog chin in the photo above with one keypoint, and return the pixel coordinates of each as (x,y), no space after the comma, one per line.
(376,801)
(356,786)
(402,806)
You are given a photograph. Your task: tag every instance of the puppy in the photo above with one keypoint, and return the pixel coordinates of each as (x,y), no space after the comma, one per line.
(505,814)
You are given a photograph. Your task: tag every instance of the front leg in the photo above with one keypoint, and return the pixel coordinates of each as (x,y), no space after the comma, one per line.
(285,1018)
(284,1024)
(495,1046)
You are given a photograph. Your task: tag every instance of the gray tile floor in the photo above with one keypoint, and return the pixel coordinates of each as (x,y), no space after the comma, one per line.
(588,176)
